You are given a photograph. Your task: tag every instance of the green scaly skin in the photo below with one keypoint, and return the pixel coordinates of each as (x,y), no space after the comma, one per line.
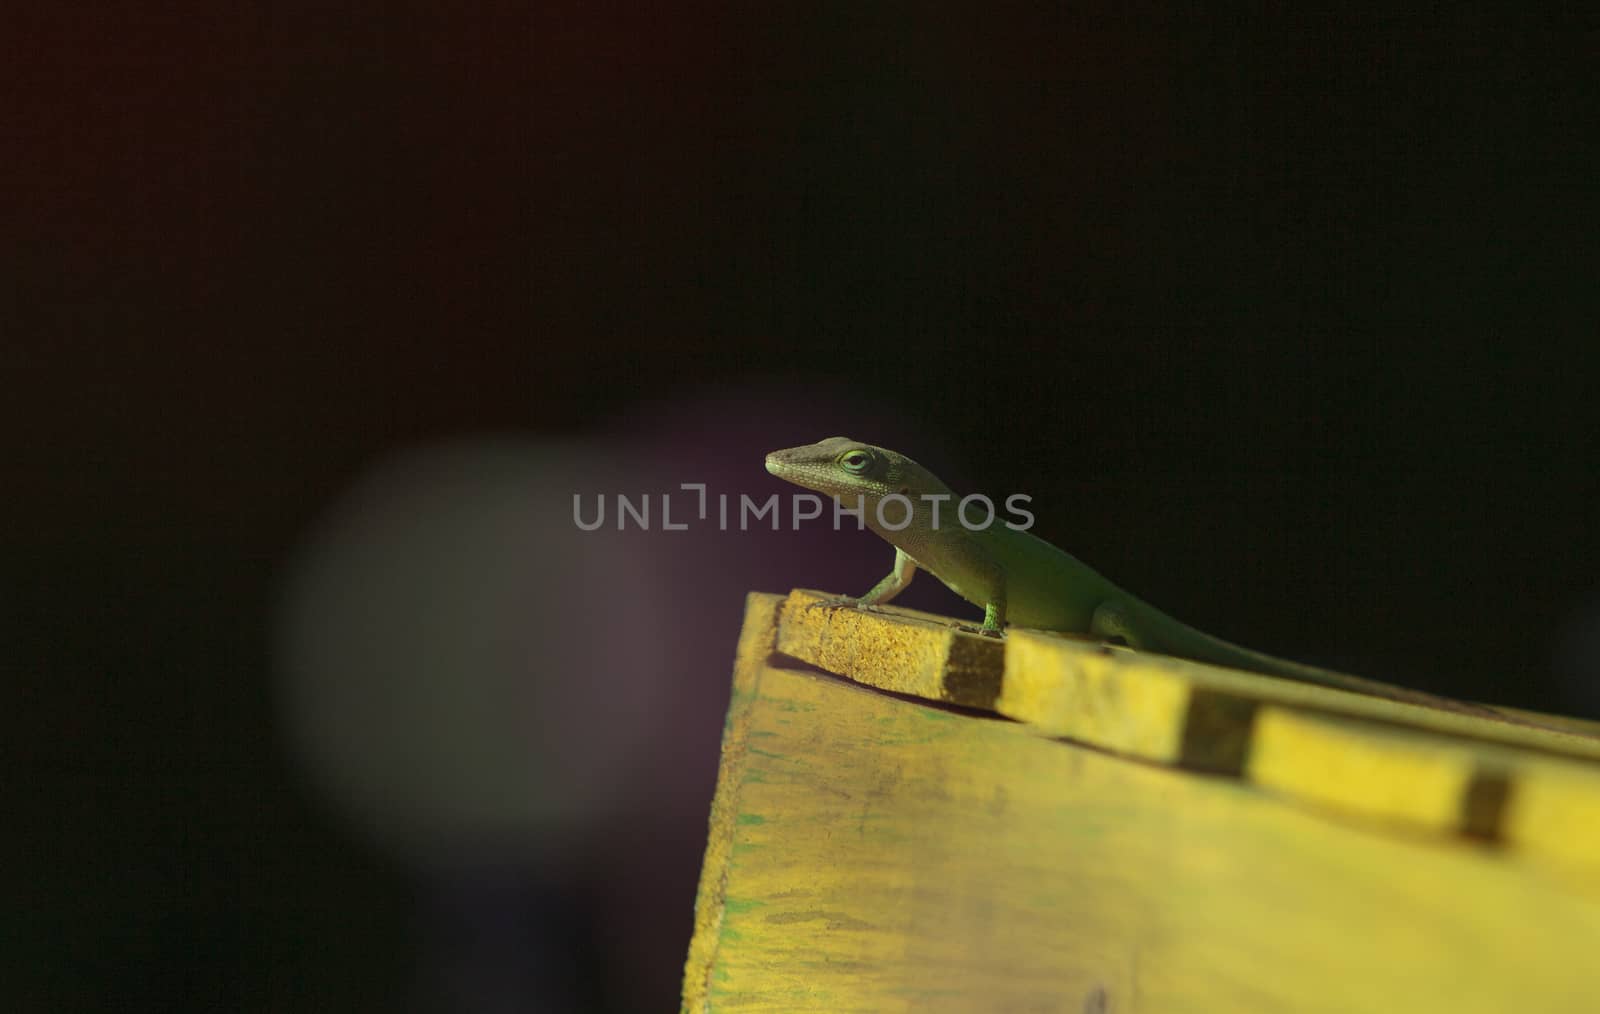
(1015,577)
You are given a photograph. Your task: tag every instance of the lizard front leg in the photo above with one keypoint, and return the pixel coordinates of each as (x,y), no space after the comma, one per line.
(893,583)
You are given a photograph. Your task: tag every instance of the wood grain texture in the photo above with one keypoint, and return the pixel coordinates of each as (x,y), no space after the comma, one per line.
(873,853)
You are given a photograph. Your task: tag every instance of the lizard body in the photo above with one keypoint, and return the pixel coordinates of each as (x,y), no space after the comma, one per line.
(1014,576)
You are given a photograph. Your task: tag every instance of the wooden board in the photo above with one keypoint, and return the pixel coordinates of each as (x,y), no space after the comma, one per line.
(1368,757)
(875,853)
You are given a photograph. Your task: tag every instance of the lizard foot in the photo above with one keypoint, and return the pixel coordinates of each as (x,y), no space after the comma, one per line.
(844,602)
(968,628)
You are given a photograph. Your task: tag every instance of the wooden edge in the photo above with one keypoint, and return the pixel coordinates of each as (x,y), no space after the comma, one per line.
(1093,696)
(1061,684)
(1397,764)
(1108,696)
(1405,765)
(1387,775)
(1532,802)
(900,650)
(1566,723)
(756,642)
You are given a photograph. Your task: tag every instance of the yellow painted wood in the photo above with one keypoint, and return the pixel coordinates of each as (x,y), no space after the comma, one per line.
(871,853)
(896,649)
(1541,808)
(1553,810)
(1371,758)
(1065,684)
(1092,694)
(1109,696)
(1387,775)
(755,644)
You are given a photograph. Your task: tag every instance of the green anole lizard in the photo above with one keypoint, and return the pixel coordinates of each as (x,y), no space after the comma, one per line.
(1016,577)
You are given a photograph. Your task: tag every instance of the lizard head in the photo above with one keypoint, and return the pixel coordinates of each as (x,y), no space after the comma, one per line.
(841,467)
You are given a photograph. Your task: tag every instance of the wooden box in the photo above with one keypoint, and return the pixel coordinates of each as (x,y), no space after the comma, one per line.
(910,817)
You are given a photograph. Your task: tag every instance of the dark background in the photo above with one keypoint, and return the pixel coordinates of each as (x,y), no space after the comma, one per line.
(1287,322)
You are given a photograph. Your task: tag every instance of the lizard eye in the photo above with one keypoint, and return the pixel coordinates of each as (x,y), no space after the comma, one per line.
(856,461)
